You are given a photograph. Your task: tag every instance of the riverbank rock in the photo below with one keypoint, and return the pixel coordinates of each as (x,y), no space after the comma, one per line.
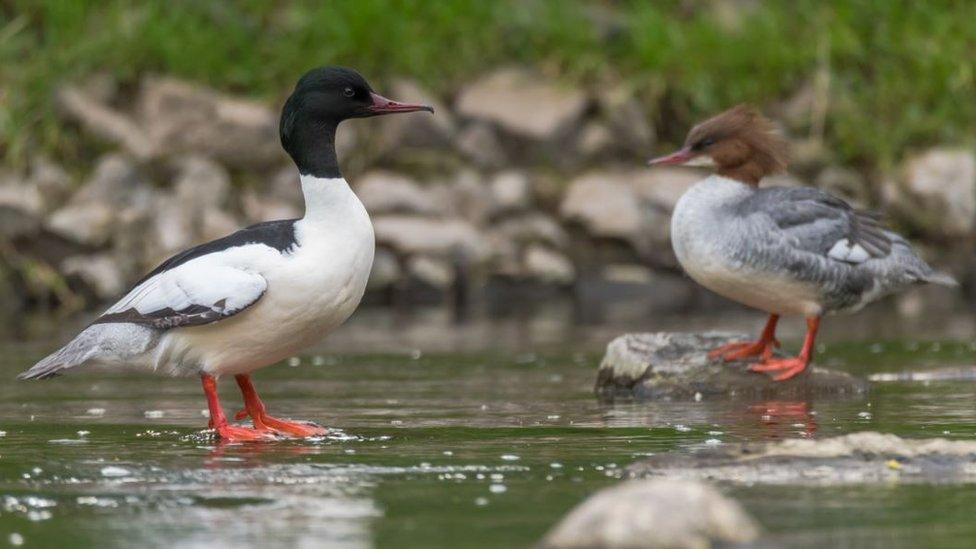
(433,131)
(384,192)
(937,192)
(865,457)
(408,235)
(523,103)
(180,117)
(654,513)
(675,366)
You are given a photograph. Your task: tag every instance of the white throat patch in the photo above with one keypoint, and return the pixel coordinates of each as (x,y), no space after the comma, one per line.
(701,161)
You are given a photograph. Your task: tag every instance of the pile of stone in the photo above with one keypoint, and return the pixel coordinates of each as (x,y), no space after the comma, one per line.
(517,179)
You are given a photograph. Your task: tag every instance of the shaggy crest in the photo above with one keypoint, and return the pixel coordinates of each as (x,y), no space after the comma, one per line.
(743,143)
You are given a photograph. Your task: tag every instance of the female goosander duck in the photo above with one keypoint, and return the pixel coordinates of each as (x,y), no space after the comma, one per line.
(255,297)
(784,250)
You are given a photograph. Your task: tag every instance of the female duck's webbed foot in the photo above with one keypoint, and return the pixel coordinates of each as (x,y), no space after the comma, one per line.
(762,347)
(785,368)
(782,368)
(254,408)
(218,422)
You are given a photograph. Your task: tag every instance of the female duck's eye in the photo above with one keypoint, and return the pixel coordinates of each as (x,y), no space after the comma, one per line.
(349,92)
(707,142)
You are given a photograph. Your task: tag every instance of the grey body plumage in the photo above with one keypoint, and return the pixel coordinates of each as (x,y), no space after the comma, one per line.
(796,228)
(842,255)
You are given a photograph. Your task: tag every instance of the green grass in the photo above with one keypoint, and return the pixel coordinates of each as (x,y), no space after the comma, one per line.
(902,74)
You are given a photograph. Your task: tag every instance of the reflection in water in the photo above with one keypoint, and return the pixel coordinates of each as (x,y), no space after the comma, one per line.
(781,418)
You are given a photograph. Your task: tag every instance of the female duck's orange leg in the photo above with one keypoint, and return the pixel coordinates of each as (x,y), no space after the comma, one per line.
(263,422)
(763,347)
(218,421)
(786,368)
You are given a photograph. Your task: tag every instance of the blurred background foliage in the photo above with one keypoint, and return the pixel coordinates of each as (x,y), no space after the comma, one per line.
(896,74)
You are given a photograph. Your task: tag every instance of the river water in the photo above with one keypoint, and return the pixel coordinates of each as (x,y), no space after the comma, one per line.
(478,434)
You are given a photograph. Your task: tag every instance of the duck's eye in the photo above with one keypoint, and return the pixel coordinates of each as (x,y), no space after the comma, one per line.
(348,92)
(707,142)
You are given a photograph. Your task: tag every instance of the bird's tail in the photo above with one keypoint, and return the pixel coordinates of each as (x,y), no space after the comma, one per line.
(940,278)
(100,344)
(71,355)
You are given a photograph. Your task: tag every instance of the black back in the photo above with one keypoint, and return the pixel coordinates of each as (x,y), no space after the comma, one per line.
(279,235)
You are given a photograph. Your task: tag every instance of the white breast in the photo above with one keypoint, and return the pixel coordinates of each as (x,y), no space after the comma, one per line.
(311,290)
(705,233)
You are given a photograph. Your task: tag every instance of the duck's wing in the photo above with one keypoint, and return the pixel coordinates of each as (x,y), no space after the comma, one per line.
(198,292)
(812,221)
(206,283)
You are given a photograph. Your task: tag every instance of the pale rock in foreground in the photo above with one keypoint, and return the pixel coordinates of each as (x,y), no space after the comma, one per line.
(856,458)
(654,513)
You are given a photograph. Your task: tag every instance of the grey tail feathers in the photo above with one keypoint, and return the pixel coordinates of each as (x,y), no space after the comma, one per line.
(943,279)
(52,365)
(80,350)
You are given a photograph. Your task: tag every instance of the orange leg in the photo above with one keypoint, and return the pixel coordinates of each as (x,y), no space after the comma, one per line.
(763,347)
(263,422)
(218,421)
(785,368)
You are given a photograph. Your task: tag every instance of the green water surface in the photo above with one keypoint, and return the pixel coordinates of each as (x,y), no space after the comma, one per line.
(464,449)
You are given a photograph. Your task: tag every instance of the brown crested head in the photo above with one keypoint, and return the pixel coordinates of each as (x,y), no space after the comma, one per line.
(740,142)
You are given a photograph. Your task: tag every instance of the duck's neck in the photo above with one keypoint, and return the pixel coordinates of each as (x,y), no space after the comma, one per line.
(312,147)
(749,172)
(327,199)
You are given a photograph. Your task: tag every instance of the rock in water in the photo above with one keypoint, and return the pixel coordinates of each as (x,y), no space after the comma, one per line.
(856,458)
(655,513)
(676,366)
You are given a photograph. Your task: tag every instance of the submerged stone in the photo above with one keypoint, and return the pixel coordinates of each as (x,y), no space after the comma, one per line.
(675,366)
(655,513)
(864,457)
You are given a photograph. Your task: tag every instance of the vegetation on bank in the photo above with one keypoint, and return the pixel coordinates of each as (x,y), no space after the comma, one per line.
(891,75)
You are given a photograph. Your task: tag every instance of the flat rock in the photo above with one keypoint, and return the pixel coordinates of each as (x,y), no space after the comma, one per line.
(523,103)
(606,206)
(938,191)
(548,265)
(856,458)
(479,143)
(655,513)
(384,192)
(180,117)
(435,130)
(409,235)
(667,365)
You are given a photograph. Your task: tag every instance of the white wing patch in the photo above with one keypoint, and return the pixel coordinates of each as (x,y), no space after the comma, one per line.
(842,250)
(206,288)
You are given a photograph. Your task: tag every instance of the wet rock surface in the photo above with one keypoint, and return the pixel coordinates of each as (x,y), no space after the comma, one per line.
(863,457)
(655,513)
(668,365)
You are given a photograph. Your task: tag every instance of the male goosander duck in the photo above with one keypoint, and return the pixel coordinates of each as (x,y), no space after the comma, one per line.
(784,250)
(257,296)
